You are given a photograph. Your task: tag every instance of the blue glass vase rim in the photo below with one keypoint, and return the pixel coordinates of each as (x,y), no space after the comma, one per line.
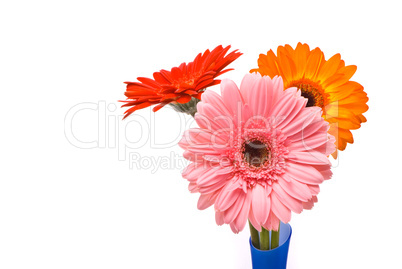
(275,249)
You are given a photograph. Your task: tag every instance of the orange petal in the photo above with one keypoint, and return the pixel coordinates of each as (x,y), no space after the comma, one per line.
(329,67)
(313,63)
(301,53)
(361,118)
(342,76)
(269,61)
(285,68)
(346,135)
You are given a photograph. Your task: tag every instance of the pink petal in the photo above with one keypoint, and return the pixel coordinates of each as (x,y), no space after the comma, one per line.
(325,171)
(278,84)
(233,184)
(188,155)
(241,218)
(202,149)
(219,218)
(301,121)
(294,188)
(205,189)
(216,160)
(249,81)
(310,203)
(193,188)
(208,117)
(194,171)
(315,141)
(327,148)
(233,211)
(222,120)
(261,204)
(216,101)
(258,98)
(272,223)
(196,136)
(304,173)
(295,92)
(299,104)
(271,96)
(214,176)
(234,228)
(189,169)
(319,142)
(309,157)
(226,199)
(268,189)
(252,219)
(205,201)
(232,98)
(280,209)
(247,115)
(283,107)
(314,189)
(310,129)
(290,202)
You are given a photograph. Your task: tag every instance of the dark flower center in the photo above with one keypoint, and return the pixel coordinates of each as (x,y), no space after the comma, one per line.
(309,96)
(311,91)
(256,153)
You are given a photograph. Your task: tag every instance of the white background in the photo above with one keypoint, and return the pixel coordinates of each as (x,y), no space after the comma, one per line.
(63,206)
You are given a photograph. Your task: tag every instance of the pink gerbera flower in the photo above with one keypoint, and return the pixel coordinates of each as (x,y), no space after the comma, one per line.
(259,153)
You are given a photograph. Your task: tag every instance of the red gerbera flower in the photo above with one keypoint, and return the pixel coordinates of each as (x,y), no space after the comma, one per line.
(181,83)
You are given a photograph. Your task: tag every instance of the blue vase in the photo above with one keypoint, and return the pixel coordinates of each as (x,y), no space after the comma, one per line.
(275,258)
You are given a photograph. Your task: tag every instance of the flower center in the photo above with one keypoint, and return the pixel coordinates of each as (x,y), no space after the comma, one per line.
(187,81)
(184,84)
(256,153)
(259,154)
(310,90)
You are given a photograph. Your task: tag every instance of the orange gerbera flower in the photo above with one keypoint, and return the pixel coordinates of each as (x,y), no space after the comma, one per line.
(326,83)
(181,83)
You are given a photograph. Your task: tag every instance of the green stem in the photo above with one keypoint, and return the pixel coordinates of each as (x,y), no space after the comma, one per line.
(275,239)
(264,235)
(255,239)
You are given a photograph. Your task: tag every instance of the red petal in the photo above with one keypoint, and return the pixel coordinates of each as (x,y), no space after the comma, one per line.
(184,99)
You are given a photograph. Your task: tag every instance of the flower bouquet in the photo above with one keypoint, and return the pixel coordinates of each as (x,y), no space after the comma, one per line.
(262,149)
